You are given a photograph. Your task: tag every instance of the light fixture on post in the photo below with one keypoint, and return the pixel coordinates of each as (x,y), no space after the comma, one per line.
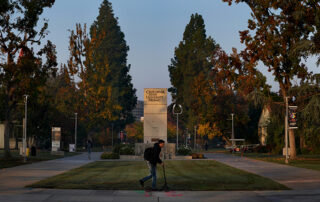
(177,114)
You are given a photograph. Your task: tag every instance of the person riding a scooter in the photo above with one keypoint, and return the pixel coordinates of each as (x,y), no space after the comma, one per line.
(152,157)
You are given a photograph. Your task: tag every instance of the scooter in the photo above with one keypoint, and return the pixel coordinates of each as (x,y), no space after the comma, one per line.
(165,186)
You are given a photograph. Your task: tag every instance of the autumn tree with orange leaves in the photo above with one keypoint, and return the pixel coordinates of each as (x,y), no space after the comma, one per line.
(275,32)
(211,84)
(134,132)
(224,90)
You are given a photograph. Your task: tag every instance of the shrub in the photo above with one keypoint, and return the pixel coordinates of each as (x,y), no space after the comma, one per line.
(197,156)
(309,151)
(262,149)
(127,150)
(116,148)
(184,151)
(194,156)
(305,151)
(123,149)
(109,155)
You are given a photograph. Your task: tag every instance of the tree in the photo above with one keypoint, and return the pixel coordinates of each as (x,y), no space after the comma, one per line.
(100,61)
(113,47)
(172,125)
(97,105)
(308,14)
(211,84)
(225,90)
(62,98)
(192,57)
(18,32)
(275,31)
(308,111)
(134,132)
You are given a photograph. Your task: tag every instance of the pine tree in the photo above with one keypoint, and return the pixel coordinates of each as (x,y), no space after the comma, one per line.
(113,47)
(192,57)
(100,61)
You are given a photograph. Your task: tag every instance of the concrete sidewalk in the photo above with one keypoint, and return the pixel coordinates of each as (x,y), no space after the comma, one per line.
(292,177)
(16,178)
(13,180)
(56,195)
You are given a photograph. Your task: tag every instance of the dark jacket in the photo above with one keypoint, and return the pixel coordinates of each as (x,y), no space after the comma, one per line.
(156,153)
(89,144)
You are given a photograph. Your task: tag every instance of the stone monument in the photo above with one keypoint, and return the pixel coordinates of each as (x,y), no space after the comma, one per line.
(56,141)
(155,115)
(155,122)
(55,137)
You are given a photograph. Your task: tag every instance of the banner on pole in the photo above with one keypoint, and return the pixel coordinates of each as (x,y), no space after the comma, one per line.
(293,117)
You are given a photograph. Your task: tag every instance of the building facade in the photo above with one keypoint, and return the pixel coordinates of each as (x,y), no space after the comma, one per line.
(138,111)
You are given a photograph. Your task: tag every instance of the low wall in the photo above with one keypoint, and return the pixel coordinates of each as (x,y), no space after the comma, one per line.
(168,152)
(182,157)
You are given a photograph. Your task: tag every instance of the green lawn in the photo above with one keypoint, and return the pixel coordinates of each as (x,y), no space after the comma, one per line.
(302,161)
(181,175)
(17,160)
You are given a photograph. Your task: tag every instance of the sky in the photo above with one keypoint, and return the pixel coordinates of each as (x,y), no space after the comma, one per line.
(152,30)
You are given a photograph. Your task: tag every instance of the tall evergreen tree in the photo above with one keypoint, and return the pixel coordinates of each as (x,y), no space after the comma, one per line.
(192,57)
(113,47)
(100,61)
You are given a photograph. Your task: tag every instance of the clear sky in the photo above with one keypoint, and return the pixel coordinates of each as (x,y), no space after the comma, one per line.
(152,28)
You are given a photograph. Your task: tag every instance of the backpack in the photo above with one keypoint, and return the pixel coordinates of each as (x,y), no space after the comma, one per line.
(148,154)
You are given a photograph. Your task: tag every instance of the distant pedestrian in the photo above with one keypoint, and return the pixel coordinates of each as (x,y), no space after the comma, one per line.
(89,147)
(152,157)
(206,146)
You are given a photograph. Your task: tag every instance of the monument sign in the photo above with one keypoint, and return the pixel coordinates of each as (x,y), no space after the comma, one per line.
(155,115)
(56,137)
(155,122)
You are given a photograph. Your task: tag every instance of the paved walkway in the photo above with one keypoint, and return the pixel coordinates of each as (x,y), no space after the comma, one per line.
(292,177)
(56,195)
(13,180)
(16,178)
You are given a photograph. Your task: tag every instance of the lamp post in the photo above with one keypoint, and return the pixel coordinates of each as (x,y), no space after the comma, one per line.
(75,131)
(25,128)
(286,131)
(177,113)
(232,134)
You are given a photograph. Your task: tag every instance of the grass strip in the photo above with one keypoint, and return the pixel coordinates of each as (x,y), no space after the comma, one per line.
(200,175)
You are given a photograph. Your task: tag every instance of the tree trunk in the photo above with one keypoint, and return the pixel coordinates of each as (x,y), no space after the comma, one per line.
(293,152)
(7,128)
(285,87)
(7,122)
(7,153)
